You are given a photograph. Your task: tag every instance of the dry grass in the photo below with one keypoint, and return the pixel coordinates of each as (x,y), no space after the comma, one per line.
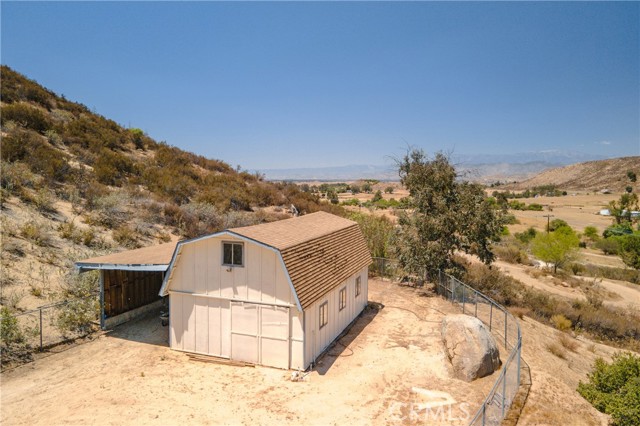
(519,312)
(557,349)
(568,342)
(561,322)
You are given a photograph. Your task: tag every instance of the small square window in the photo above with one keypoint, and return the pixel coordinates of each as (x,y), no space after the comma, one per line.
(324,314)
(358,286)
(232,254)
(343,299)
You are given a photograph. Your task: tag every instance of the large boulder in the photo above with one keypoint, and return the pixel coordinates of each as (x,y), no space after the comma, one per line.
(471,348)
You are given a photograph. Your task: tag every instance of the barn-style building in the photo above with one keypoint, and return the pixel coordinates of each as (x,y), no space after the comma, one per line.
(274,294)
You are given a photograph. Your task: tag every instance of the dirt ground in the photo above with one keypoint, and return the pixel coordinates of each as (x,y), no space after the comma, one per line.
(388,361)
(621,294)
(578,209)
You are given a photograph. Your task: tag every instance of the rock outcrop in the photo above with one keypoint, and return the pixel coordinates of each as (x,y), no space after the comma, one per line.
(470,347)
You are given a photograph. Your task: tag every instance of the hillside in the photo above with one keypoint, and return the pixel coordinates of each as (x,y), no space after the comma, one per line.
(76,184)
(589,176)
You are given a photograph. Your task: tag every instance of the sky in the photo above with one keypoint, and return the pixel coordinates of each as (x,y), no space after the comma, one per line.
(271,85)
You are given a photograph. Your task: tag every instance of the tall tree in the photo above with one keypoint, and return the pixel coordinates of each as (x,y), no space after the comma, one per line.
(445,215)
(557,247)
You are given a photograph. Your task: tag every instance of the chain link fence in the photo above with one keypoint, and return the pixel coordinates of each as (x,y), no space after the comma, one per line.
(501,323)
(49,325)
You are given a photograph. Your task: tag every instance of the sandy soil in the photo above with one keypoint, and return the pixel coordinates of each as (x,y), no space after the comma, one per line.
(553,399)
(131,376)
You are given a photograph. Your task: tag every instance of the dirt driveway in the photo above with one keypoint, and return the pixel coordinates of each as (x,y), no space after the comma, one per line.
(130,376)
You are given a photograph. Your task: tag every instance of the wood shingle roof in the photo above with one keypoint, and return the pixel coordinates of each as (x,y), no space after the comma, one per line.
(319,250)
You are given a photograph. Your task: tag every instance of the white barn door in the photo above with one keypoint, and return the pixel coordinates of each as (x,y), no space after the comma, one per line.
(200,324)
(260,334)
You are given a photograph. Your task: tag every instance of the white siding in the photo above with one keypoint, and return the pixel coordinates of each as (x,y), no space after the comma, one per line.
(232,312)
(199,270)
(318,339)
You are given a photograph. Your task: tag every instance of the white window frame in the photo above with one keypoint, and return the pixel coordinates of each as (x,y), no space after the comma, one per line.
(342,299)
(358,286)
(232,264)
(323,314)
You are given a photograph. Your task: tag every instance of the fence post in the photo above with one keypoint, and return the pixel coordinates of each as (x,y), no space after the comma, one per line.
(40,329)
(475,300)
(519,353)
(463,293)
(504,390)
(490,315)
(484,412)
(506,319)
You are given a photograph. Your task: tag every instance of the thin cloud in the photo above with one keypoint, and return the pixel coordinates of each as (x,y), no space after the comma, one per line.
(604,143)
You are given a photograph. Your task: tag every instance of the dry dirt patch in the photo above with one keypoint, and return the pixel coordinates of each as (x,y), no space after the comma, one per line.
(131,376)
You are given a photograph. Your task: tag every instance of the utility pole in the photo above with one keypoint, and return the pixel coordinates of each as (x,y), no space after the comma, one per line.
(548,216)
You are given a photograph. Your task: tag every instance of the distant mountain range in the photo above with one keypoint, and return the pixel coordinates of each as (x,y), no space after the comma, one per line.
(481,167)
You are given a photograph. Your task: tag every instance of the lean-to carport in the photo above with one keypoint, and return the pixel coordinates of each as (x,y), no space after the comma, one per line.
(129,281)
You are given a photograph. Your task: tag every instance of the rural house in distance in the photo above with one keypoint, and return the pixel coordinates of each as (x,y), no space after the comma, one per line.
(274,294)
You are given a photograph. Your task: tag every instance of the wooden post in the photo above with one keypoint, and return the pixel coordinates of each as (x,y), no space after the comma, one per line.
(102,299)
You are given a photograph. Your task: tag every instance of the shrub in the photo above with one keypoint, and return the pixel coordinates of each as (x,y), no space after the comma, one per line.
(82,307)
(44,201)
(126,236)
(377,231)
(519,312)
(111,210)
(614,388)
(10,332)
(88,237)
(561,322)
(112,167)
(351,202)
(557,349)
(16,176)
(27,116)
(618,230)
(69,231)
(591,233)
(511,253)
(630,250)
(36,233)
(510,219)
(609,246)
(556,224)
(568,342)
(535,207)
(527,235)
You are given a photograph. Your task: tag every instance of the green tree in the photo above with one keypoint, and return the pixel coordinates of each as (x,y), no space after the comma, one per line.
(630,250)
(614,388)
(557,247)
(377,196)
(556,224)
(445,216)
(389,190)
(591,232)
(377,230)
(621,209)
(632,176)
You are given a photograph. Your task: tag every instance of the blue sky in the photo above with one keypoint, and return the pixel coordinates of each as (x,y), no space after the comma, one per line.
(283,85)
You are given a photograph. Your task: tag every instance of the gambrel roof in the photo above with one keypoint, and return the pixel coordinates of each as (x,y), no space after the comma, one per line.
(319,251)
